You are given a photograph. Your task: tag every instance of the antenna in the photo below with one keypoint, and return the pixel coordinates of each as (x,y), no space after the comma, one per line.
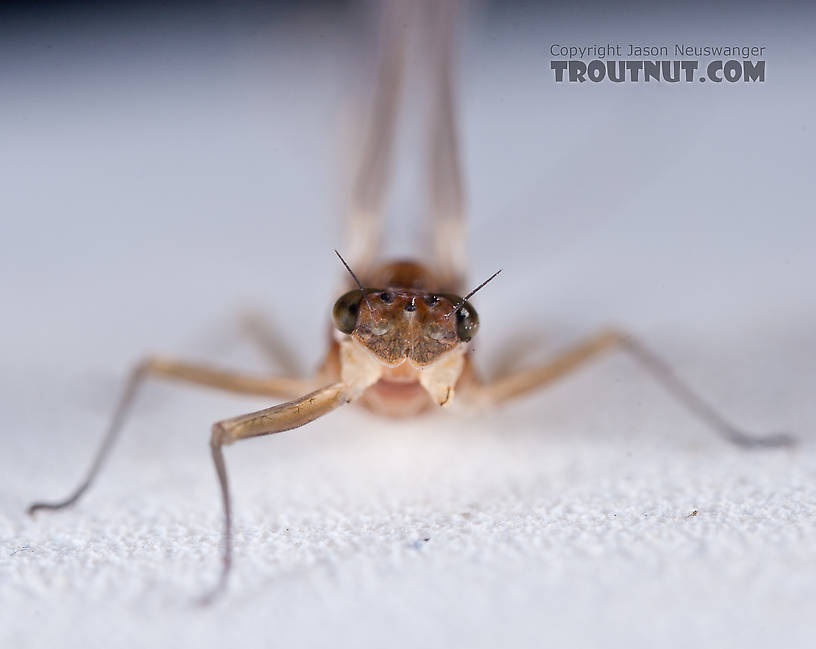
(360,286)
(469,295)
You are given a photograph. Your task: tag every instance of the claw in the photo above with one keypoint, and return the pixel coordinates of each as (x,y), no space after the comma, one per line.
(773,440)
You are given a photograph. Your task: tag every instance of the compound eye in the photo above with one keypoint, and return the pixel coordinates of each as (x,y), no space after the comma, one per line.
(467,322)
(346,310)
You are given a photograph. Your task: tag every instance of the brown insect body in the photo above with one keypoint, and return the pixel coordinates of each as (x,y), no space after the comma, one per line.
(409,329)
(401,341)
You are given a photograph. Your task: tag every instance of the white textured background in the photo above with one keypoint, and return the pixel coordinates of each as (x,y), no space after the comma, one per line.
(162,173)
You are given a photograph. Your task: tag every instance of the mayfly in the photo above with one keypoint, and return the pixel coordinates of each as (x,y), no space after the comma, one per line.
(401,338)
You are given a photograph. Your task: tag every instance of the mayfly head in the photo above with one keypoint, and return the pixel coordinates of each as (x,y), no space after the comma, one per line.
(399,323)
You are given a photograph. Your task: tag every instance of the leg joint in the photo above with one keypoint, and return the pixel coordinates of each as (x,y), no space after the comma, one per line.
(220,437)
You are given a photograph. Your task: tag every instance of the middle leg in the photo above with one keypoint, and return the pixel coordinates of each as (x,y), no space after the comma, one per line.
(525,381)
(181,371)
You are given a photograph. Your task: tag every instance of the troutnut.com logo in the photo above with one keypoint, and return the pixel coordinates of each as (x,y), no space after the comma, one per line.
(680,62)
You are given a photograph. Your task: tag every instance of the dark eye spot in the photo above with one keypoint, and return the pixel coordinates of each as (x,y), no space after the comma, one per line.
(431,300)
(410,307)
(346,310)
(467,322)
(386,297)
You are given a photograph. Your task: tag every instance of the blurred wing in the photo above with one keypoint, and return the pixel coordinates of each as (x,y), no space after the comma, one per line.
(448,226)
(373,172)
(436,19)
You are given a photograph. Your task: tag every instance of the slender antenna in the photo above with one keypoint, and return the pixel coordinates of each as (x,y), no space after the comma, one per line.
(471,294)
(359,285)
